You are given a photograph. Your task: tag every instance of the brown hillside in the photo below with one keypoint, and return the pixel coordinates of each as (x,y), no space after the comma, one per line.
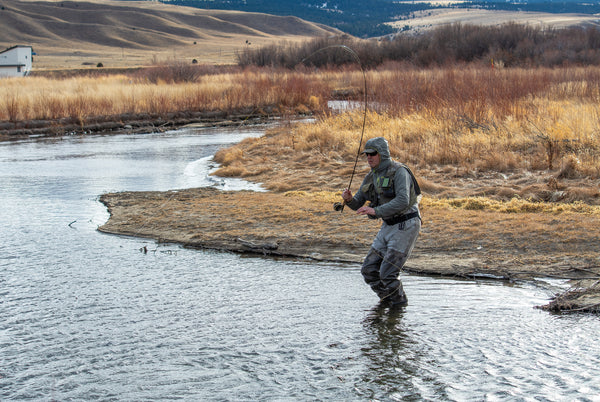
(75,33)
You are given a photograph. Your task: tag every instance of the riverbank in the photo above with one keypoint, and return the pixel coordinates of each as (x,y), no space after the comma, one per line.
(453,242)
(130,123)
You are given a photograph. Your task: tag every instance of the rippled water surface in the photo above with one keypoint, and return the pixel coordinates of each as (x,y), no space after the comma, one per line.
(87,316)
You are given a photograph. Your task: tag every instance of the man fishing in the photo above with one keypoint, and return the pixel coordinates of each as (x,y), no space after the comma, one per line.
(394,194)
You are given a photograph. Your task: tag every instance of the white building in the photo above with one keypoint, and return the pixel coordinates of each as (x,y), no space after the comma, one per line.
(16,61)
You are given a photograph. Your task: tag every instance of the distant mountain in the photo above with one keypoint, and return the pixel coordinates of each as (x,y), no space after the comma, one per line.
(368,18)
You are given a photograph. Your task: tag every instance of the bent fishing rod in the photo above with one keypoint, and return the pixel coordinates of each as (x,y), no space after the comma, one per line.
(339,206)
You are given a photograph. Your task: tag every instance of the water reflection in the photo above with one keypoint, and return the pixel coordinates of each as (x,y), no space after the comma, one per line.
(389,350)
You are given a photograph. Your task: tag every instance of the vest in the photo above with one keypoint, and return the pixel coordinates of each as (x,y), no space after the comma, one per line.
(383,192)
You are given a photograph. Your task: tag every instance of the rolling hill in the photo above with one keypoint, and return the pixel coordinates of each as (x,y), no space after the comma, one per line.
(69,34)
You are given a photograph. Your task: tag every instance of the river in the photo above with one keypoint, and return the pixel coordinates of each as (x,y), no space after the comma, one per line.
(88,316)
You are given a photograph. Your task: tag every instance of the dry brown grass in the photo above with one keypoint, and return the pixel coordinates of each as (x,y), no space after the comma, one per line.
(498,162)
(81,98)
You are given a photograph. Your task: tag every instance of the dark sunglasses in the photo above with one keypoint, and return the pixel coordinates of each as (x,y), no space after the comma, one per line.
(370,153)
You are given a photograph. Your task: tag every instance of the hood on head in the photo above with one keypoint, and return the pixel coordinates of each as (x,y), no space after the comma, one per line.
(379,145)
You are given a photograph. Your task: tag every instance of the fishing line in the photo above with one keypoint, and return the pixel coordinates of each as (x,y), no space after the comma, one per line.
(338,206)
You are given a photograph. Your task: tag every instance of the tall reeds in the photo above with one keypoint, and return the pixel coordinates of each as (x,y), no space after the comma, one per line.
(82,98)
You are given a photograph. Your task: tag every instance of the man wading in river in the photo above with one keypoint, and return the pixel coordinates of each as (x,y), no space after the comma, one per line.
(394,196)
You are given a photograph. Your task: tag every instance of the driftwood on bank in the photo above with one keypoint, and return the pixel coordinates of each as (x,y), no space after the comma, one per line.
(129,123)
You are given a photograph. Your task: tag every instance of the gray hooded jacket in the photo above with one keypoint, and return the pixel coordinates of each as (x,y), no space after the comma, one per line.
(405,199)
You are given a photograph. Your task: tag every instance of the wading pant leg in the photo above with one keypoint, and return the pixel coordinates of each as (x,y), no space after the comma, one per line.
(370,269)
(400,241)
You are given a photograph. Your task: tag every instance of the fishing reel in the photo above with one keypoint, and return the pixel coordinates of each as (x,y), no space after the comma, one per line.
(338,206)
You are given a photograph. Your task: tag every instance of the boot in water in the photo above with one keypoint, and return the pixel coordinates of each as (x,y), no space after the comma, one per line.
(398,299)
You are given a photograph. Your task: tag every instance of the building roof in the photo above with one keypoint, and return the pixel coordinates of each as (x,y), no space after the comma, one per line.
(15,47)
